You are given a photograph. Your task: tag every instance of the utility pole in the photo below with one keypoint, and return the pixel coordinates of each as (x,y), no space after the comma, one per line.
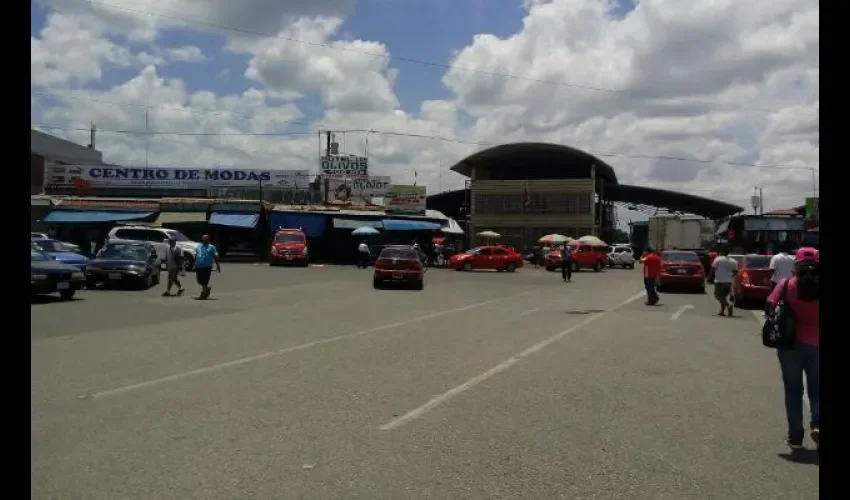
(147,138)
(93,133)
(761,201)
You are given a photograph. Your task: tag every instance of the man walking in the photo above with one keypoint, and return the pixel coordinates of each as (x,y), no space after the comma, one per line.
(173,266)
(205,257)
(566,264)
(363,255)
(781,265)
(725,269)
(651,271)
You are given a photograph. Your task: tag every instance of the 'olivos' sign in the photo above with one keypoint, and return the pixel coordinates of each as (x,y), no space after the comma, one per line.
(103,176)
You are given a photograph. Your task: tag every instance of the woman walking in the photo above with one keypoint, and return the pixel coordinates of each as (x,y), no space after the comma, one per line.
(802,297)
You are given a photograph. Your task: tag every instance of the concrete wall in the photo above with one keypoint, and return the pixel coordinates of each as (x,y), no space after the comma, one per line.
(62,151)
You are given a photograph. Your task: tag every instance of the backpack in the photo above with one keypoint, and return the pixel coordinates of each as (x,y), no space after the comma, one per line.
(780,326)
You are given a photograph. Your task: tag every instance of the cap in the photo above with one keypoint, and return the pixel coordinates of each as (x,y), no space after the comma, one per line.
(807,254)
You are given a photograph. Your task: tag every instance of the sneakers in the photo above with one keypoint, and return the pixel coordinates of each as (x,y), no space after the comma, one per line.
(815,434)
(793,442)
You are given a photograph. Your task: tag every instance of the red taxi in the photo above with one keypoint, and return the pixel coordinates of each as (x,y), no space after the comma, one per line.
(752,283)
(289,246)
(399,264)
(681,269)
(490,257)
(584,256)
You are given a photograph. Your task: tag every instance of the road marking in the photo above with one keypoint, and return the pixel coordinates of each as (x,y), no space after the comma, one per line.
(300,347)
(504,365)
(531,311)
(680,311)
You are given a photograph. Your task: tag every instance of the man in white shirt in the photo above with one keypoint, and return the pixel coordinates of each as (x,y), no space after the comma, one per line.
(725,269)
(782,266)
(364,255)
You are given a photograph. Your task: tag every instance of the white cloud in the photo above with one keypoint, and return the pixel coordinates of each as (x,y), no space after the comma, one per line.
(187,53)
(722,81)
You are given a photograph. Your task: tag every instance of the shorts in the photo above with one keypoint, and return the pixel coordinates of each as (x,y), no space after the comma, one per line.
(203,275)
(722,290)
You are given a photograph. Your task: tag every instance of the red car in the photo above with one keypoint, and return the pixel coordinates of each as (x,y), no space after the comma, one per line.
(752,283)
(289,246)
(584,256)
(681,269)
(399,264)
(490,257)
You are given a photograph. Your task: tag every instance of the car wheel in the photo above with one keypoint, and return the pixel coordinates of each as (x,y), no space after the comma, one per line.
(157,279)
(188,263)
(467,266)
(511,267)
(376,284)
(419,285)
(458,269)
(702,289)
(146,282)
(67,294)
(632,265)
(91,284)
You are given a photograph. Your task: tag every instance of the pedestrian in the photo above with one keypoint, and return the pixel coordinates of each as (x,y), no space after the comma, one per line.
(363,255)
(205,257)
(173,266)
(536,256)
(724,269)
(651,271)
(566,264)
(781,266)
(802,296)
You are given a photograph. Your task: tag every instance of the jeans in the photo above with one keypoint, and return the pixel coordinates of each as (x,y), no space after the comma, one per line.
(566,270)
(803,358)
(363,259)
(651,294)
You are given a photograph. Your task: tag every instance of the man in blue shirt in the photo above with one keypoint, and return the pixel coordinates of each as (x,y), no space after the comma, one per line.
(566,264)
(205,257)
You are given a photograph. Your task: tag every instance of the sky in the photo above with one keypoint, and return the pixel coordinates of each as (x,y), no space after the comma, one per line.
(711,98)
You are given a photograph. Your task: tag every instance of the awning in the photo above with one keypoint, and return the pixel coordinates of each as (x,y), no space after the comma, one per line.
(313,225)
(452,228)
(181,217)
(409,225)
(89,216)
(234,219)
(355,223)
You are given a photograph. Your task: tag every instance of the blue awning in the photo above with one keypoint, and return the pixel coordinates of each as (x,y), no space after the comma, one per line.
(409,225)
(355,223)
(72,216)
(234,219)
(313,225)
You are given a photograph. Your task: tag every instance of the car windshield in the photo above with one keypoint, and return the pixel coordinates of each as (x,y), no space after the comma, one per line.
(50,245)
(177,235)
(123,252)
(472,251)
(758,262)
(289,238)
(398,253)
(37,256)
(679,257)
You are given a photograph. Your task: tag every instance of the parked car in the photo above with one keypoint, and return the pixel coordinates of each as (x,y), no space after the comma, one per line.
(289,246)
(487,257)
(621,255)
(158,237)
(55,250)
(400,264)
(752,283)
(584,256)
(136,263)
(69,247)
(680,268)
(49,276)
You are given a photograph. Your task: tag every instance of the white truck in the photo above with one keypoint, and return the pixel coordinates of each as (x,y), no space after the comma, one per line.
(669,233)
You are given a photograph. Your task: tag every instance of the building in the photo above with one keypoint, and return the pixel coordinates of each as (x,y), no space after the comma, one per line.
(46,149)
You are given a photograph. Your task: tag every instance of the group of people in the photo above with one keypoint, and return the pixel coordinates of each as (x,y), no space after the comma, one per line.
(437,254)
(205,257)
(795,282)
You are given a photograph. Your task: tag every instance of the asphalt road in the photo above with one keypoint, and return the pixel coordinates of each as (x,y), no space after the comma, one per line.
(307,383)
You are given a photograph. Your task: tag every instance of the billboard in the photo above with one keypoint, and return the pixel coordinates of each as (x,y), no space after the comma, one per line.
(347,189)
(111,176)
(341,165)
(401,199)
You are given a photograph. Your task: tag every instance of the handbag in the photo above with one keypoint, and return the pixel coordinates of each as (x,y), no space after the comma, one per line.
(780,326)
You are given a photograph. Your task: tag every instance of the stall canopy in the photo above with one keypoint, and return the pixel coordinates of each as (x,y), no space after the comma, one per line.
(91,216)
(181,217)
(409,225)
(355,223)
(452,228)
(313,225)
(235,219)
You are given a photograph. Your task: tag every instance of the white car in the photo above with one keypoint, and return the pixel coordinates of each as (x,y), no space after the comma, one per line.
(621,255)
(158,236)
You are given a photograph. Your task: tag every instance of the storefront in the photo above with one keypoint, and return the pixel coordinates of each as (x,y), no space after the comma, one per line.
(238,229)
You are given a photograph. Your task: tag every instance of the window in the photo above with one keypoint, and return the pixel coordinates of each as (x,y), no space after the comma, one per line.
(398,253)
(500,251)
(758,262)
(176,235)
(485,251)
(139,235)
(288,238)
(563,202)
(679,257)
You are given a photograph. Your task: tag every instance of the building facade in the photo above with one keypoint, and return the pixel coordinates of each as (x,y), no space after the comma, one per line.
(46,149)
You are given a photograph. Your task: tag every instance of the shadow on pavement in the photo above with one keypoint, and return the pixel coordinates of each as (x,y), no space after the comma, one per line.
(806,457)
(50,299)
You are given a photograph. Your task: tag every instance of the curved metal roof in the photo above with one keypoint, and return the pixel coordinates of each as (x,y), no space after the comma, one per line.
(535,160)
(671,200)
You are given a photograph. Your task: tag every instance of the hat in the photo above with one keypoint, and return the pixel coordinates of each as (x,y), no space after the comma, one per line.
(807,254)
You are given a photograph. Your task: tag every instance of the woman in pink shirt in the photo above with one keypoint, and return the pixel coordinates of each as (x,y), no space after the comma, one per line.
(803,299)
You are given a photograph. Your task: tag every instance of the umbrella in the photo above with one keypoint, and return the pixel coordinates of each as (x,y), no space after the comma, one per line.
(365,231)
(593,241)
(554,239)
(489,234)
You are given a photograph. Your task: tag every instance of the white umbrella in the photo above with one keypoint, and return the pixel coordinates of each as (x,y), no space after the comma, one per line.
(365,231)
(593,241)
(489,234)
(555,239)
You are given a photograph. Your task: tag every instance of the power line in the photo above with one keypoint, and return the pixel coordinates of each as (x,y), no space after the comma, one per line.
(633,94)
(421,136)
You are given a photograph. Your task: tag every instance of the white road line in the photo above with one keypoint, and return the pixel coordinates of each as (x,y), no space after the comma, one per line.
(504,365)
(257,357)
(680,311)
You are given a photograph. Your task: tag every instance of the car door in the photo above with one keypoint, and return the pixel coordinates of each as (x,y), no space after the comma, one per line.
(482,259)
(500,258)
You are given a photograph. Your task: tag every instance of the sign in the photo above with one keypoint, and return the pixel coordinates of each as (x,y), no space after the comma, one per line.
(357,188)
(107,176)
(335,165)
(402,199)
(812,208)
